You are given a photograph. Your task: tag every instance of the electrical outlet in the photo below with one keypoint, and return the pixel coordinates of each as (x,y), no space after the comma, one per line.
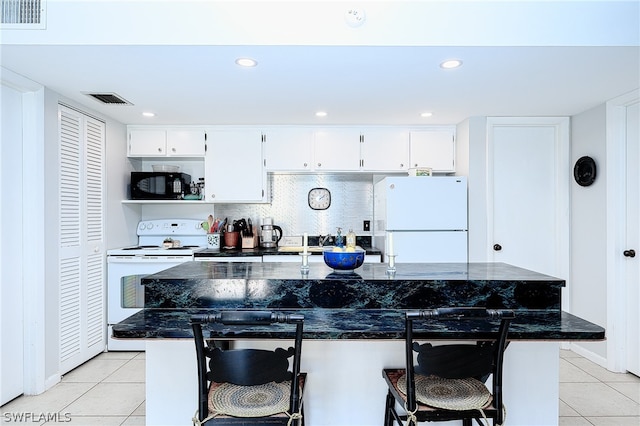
(366,225)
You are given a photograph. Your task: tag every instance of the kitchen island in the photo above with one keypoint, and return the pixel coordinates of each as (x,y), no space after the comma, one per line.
(353,329)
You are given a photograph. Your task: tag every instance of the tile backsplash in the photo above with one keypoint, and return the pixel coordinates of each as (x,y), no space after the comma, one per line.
(351,204)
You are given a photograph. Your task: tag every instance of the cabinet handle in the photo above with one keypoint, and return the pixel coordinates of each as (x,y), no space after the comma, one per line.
(159,149)
(629,253)
(319,164)
(401,165)
(415,165)
(305,164)
(497,247)
(173,149)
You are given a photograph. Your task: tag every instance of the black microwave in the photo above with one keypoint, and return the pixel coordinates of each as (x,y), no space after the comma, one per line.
(159,185)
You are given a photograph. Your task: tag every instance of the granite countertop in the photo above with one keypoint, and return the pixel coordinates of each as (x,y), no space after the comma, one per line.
(366,304)
(259,251)
(358,324)
(282,285)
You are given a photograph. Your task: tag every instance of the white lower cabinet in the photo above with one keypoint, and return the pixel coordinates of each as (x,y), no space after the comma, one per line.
(234,168)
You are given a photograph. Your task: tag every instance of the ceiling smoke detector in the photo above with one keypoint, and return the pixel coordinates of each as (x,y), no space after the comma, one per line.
(109,98)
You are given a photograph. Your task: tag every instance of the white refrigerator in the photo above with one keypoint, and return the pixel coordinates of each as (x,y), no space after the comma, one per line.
(427,216)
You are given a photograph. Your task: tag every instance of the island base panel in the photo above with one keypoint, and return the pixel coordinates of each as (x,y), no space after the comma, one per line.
(345,384)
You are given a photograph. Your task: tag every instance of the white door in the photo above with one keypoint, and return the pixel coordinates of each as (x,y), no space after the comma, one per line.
(528,193)
(81,261)
(11,248)
(631,250)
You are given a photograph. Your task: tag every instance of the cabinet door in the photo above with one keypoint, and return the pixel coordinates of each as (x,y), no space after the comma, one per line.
(385,150)
(434,149)
(147,143)
(186,143)
(234,169)
(289,149)
(336,150)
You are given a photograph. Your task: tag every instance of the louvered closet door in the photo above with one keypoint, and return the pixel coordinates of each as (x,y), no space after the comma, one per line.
(81,238)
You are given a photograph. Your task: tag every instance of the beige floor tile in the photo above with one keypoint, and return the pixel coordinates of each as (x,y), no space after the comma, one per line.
(94,370)
(96,421)
(573,421)
(566,411)
(600,373)
(134,421)
(569,373)
(120,355)
(565,353)
(632,390)
(597,400)
(614,421)
(132,371)
(54,400)
(140,411)
(111,399)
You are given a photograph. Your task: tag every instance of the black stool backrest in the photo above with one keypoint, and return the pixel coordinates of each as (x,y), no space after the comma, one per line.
(246,366)
(458,361)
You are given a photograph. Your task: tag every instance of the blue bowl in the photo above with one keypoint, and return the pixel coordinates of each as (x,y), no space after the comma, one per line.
(344,260)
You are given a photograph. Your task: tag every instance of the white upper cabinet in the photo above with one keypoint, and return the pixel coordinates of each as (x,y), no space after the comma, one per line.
(289,149)
(434,149)
(385,150)
(337,150)
(234,170)
(166,142)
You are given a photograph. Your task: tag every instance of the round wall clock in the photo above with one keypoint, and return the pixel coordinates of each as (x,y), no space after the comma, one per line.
(584,172)
(319,198)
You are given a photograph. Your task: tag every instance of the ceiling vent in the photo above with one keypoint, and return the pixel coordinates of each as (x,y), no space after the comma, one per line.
(22,14)
(109,98)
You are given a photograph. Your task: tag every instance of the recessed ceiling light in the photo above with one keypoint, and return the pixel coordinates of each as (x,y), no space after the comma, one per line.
(426,114)
(321,114)
(246,62)
(451,63)
(148,114)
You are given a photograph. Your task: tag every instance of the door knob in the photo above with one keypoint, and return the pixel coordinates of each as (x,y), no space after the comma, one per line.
(497,247)
(629,253)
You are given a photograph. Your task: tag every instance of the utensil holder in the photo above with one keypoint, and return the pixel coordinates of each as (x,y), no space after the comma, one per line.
(213,240)
(231,239)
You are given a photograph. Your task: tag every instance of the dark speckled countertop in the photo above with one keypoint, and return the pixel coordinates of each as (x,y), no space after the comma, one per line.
(365,304)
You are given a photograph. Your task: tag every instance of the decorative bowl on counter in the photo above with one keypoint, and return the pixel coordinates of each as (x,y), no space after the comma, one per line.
(344,259)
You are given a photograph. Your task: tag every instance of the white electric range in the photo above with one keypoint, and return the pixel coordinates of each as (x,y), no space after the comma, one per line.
(127,266)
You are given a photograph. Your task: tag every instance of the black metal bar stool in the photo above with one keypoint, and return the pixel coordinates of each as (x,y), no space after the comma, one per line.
(248,386)
(448,382)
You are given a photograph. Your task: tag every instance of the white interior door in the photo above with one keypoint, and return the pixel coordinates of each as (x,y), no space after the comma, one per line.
(11,247)
(632,247)
(528,195)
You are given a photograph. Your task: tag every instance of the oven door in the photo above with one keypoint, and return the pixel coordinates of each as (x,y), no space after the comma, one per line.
(125,293)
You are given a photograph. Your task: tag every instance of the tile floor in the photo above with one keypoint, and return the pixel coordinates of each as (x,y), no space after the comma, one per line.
(109,390)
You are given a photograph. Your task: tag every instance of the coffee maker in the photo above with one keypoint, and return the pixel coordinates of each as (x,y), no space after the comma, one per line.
(270,234)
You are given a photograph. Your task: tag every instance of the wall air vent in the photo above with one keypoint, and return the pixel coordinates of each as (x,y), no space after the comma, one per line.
(22,14)
(109,98)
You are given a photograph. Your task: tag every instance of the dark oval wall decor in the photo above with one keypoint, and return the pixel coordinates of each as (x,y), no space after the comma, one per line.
(584,172)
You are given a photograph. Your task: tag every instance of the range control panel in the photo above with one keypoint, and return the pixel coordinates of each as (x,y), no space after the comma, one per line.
(171,227)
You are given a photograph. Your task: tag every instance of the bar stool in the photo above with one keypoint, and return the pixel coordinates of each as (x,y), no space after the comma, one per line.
(448,383)
(248,386)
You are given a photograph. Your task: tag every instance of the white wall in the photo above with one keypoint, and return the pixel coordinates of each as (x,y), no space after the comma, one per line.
(11,287)
(471,145)
(588,283)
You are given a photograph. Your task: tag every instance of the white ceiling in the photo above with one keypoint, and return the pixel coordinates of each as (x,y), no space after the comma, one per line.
(354,84)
